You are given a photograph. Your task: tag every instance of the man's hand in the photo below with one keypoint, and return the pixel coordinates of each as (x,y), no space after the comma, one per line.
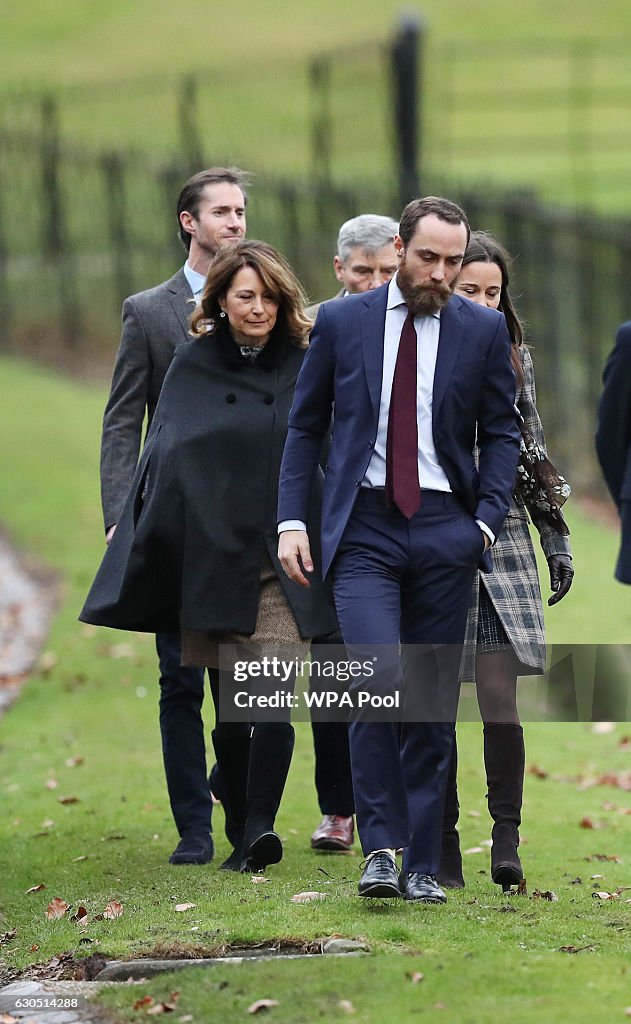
(487,541)
(110,533)
(294,552)
(561,576)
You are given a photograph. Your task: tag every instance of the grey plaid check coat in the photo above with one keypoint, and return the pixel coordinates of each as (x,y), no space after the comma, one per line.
(513,586)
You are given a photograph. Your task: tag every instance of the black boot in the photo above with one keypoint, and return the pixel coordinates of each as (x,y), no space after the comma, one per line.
(233,757)
(450,872)
(271,748)
(504,762)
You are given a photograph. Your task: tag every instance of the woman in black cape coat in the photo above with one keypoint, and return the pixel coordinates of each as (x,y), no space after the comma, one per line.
(195,549)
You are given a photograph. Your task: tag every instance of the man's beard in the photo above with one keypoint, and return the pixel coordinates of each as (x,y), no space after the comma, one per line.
(422,299)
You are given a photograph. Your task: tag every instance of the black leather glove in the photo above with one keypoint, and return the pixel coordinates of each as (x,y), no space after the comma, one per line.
(561,576)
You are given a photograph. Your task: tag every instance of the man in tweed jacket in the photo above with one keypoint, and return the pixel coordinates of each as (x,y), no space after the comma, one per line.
(211,213)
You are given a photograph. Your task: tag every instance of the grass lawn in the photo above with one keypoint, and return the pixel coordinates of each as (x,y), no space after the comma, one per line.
(482,956)
(120,59)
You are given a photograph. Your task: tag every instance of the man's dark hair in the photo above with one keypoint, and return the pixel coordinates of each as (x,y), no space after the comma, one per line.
(193,191)
(444,209)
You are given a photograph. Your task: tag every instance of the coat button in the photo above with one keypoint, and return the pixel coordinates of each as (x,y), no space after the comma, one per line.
(269,399)
(231,398)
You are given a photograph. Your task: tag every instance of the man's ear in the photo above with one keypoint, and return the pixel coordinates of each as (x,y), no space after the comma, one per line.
(338,266)
(188,222)
(399,246)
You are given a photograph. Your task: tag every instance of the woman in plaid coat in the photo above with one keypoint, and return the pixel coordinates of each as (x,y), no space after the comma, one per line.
(505,630)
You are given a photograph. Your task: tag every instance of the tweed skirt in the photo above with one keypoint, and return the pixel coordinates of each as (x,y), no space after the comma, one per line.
(276,632)
(513,590)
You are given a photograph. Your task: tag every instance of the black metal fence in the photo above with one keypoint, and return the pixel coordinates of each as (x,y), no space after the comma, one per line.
(507,109)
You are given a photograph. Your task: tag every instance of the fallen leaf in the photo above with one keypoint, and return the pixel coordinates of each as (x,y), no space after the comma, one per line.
(262,1004)
(574,949)
(36,888)
(68,800)
(51,784)
(75,860)
(141,1003)
(115,836)
(548,895)
(308,897)
(81,917)
(603,728)
(522,888)
(606,895)
(604,857)
(8,936)
(440,1006)
(625,743)
(473,849)
(628,1011)
(586,823)
(539,773)
(415,977)
(113,909)
(73,762)
(473,814)
(257,879)
(34,949)
(56,908)
(346,1005)
(181,907)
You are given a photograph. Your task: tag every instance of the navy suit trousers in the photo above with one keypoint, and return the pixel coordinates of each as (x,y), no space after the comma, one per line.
(402,590)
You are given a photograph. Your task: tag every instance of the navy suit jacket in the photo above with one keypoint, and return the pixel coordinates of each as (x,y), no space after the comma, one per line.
(474,389)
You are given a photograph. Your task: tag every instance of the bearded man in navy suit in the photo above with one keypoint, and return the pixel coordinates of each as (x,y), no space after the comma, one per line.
(416,376)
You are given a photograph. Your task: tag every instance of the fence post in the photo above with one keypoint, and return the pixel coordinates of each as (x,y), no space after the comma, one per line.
(406,58)
(321,130)
(188,118)
(113,173)
(55,241)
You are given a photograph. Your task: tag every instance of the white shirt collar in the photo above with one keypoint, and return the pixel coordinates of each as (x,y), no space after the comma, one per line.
(196,281)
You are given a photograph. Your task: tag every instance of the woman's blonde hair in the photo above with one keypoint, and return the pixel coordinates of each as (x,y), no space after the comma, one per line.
(278,278)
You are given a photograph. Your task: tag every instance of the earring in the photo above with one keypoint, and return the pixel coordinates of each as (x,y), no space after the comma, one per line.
(223,313)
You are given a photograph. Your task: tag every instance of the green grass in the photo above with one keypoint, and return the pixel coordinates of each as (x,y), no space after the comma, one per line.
(98,700)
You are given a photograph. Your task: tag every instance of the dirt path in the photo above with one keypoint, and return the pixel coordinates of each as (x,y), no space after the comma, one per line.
(28,597)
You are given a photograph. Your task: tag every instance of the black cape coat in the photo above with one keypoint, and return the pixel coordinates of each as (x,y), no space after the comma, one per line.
(188,549)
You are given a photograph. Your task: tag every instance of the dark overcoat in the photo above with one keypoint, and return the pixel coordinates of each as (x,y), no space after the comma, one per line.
(201,512)
(613,440)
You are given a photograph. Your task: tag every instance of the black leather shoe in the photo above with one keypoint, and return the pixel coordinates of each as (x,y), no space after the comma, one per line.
(265,849)
(425,888)
(193,850)
(379,878)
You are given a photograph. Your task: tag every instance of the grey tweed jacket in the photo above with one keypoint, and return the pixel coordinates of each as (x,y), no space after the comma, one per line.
(155,322)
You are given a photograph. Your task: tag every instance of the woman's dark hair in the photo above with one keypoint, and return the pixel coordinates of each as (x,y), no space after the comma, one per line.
(276,275)
(484,248)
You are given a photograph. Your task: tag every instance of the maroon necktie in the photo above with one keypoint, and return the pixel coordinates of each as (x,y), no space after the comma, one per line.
(402,486)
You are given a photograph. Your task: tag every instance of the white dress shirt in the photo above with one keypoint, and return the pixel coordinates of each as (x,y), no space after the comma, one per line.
(430,473)
(196,281)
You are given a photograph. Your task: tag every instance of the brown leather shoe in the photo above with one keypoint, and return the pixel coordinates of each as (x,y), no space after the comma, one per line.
(334,834)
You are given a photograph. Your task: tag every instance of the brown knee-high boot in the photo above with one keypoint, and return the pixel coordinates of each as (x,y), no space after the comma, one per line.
(450,872)
(504,762)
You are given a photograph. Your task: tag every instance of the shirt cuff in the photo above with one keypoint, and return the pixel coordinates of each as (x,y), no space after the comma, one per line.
(292,524)
(485,529)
